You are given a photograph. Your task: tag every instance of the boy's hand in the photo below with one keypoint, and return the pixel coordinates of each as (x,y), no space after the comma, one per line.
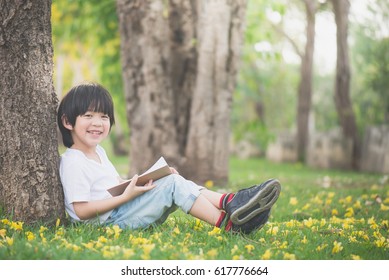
(173,170)
(132,191)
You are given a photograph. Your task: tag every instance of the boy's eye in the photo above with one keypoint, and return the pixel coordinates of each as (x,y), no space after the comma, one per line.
(105,117)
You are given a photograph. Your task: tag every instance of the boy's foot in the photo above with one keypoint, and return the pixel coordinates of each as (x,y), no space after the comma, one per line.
(251,202)
(255,223)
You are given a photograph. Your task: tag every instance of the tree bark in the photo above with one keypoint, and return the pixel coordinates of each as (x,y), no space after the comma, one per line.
(30,188)
(179,62)
(305,87)
(342,82)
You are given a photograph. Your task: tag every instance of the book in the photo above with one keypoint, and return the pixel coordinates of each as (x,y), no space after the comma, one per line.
(159,170)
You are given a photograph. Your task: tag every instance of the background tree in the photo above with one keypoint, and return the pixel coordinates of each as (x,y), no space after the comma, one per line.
(343,76)
(30,189)
(304,102)
(305,87)
(179,62)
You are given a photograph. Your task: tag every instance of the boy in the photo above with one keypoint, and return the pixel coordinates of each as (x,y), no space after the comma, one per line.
(85,117)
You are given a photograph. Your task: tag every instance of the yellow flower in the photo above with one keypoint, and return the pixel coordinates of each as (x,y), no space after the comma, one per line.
(317,200)
(266,255)
(212,253)
(288,256)
(234,249)
(330,194)
(380,242)
(308,223)
(147,248)
(42,229)
(176,230)
(115,230)
(75,248)
(306,206)
(349,199)
(198,225)
(334,212)
(215,231)
(304,240)
(5,222)
(357,204)
(57,222)
(102,239)
(337,247)
(139,240)
(262,240)
(355,257)
(60,232)
(249,248)
(10,241)
(17,226)
(272,231)
(236,257)
(219,238)
(30,236)
(321,247)
(284,245)
(208,184)
(3,232)
(290,223)
(128,253)
(88,245)
(349,212)
(352,239)
(384,207)
(293,201)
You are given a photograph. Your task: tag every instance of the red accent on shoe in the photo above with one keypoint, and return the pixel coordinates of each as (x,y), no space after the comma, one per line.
(220,220)
(221,201)
(228,226)
(230,197)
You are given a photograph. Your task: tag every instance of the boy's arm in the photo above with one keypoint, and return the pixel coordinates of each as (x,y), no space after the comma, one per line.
(90,209)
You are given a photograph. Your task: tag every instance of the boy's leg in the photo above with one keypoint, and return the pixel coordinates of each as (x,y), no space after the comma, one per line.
(213,197)
(205,210)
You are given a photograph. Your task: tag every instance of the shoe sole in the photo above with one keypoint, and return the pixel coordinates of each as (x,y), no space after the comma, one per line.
(265,198)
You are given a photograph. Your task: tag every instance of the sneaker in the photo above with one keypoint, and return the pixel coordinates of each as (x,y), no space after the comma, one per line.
(249,203)
(255,223)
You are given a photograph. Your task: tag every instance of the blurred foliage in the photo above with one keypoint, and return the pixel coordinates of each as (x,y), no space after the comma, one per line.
(87,34)
(265,97)
(371,66)
(87,47)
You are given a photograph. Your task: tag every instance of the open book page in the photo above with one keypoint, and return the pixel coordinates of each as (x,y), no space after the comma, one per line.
(158,170)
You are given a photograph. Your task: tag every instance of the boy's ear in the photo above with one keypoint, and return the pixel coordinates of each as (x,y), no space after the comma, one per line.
(66,123)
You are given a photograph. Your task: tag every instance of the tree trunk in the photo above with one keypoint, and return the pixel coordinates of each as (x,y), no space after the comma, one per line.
(342,83)
(30,188)
(179,62)
(305,86)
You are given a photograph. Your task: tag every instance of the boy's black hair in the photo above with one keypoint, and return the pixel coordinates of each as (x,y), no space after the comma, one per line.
(80,99)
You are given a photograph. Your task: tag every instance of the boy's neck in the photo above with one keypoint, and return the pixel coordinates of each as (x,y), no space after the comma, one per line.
(89,153)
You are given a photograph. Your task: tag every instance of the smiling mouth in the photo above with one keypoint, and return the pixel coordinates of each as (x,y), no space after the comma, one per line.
(94,132)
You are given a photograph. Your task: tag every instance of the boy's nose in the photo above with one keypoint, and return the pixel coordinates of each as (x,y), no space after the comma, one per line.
(97,122)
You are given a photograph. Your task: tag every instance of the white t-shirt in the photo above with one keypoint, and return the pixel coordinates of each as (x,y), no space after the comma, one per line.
(84,179)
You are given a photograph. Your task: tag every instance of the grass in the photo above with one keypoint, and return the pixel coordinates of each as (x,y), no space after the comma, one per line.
(320,215)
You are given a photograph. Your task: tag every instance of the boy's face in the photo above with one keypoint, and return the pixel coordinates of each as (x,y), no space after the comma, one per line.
(89,130)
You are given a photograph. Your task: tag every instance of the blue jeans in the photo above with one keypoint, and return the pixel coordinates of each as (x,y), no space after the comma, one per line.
(153,207)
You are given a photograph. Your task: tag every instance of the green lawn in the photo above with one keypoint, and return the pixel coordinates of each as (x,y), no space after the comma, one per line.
(320,214)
